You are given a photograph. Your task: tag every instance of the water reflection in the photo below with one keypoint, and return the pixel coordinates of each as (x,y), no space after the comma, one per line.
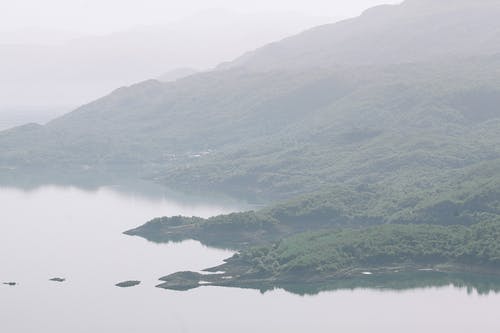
(127,182)
(471,283)
(479,284)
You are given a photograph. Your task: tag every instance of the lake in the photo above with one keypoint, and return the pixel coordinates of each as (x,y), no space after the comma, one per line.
(62,231)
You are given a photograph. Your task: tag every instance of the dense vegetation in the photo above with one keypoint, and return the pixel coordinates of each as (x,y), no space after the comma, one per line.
(376,163)
(386,256)
(469,199)
(397,124)
(378,247)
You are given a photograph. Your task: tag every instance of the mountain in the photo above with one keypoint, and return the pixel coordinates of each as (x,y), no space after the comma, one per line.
(404,128)
(370,143)
(414,31)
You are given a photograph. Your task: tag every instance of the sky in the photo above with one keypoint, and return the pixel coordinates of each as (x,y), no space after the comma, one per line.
(105,16)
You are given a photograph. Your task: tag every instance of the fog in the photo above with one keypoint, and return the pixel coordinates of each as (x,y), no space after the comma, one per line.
(57,55)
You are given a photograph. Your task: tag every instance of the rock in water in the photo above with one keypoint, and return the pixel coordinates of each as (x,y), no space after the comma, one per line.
(58,279)
(11,283)
(127,284)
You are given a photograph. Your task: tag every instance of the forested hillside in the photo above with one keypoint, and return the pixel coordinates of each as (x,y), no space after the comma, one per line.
(399,125)
(388,118)
(387,256)
(424,109)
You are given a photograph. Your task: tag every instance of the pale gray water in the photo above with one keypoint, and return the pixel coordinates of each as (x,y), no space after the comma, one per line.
(76,234)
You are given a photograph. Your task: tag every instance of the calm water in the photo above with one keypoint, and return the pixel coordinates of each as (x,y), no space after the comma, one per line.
(76,234)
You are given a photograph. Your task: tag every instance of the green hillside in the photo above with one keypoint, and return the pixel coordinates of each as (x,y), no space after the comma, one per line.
(388,118)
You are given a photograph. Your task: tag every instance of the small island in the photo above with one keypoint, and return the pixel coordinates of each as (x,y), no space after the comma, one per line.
(128,284)
(12,284)
(57,279)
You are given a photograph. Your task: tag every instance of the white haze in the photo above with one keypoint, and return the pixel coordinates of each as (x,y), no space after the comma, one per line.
(104,16)
(56,55)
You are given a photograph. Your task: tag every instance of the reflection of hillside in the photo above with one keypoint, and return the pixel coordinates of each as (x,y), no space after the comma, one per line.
(125,183)
(482,285)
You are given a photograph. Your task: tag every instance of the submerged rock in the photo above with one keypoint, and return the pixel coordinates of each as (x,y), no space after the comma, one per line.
(57,279)
(128,284)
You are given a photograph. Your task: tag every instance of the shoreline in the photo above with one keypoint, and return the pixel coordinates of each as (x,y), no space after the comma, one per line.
(234,275)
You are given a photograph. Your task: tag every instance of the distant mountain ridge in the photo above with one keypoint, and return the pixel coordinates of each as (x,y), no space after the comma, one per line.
(75,71)
(414,31)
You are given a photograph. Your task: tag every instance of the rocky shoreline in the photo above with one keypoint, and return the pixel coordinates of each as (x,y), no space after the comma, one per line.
(236,274)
